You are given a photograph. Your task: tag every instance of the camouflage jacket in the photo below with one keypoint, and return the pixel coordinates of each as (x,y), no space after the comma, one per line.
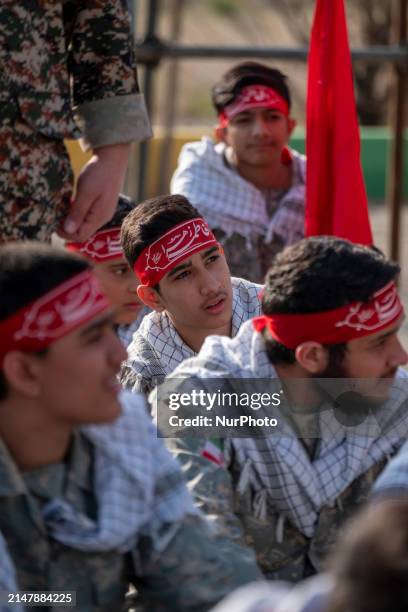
(283,552)
(64,57)
(179,566)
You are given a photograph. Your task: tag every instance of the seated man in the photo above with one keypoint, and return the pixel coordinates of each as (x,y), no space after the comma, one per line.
(250,186)
(186,281)
(327,345)
(90,500)
(104,251)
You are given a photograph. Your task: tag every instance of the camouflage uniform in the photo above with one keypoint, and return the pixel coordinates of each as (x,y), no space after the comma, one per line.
(178,566)
(283,552)
(60,58)
(246,485)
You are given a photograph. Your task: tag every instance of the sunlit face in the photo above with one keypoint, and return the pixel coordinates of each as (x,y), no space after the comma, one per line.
(78,375)
(120,284)
(257,136)
(197,293)
(372,362)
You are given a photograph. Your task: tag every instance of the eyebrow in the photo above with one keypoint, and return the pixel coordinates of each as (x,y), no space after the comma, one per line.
(386,335)
(118,265)
(182,266)
(208,252)
(188,264)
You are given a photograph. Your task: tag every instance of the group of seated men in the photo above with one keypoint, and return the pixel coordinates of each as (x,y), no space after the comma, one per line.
(91,499)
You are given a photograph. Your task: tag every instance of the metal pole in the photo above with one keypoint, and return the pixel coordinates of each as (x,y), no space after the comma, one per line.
(170,96)
(154,52)
(397,152)
(147,89)
(132,4)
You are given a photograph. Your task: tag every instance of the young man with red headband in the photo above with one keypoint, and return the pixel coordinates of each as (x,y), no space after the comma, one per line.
(250,186)
(327,346)
(185,279)
(119,283)
(90,499)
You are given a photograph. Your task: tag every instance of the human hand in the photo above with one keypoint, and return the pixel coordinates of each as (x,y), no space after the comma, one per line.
(97,191)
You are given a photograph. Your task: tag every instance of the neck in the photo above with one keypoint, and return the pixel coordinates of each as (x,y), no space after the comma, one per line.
(194,337)
(31,438)
(270,176)
(298,388)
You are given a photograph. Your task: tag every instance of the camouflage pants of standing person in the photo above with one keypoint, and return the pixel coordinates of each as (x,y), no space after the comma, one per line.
(35,183)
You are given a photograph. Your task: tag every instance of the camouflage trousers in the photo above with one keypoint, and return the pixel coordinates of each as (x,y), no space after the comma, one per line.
(35,182)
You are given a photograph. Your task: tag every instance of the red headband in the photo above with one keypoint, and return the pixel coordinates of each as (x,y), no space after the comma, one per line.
(102,246)
(338,325)
(173,247)
(253,96)
(53,315)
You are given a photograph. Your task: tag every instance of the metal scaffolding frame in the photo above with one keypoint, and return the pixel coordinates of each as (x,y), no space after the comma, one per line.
(151,50)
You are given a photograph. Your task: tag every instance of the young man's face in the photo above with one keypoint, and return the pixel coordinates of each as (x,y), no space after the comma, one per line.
(376,359)
(77,377)
(197,293)
(257,136)
(119,283)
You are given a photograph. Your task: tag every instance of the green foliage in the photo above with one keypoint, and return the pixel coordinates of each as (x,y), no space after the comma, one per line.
(224,8)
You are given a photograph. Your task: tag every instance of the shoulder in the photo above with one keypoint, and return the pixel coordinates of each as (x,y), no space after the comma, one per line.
(125,332)
(243,288)
(198,149)
(202,160)
(220,357)
(300,164)
(152,326)
(143,365)
(394,479)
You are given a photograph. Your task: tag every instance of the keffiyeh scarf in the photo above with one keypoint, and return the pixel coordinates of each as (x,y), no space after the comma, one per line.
(138,488)
(232,204)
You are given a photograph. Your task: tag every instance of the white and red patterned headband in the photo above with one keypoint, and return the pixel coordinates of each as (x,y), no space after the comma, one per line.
(336,326)
(53,315)
(102,246)
(254,96)
(173,247)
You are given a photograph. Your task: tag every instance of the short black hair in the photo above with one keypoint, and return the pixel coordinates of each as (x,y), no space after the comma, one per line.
(124,207)
(150,220)
(228,88)
(318,274)
(29,270)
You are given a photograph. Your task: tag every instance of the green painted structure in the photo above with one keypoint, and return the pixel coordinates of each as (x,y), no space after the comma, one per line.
(375,153)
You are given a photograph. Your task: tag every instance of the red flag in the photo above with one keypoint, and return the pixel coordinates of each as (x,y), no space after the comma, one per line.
(336,199)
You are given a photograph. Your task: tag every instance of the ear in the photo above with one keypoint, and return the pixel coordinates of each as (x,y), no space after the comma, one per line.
(150,297)
(21,371)
(220,133)
(312,357)
(291,125)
